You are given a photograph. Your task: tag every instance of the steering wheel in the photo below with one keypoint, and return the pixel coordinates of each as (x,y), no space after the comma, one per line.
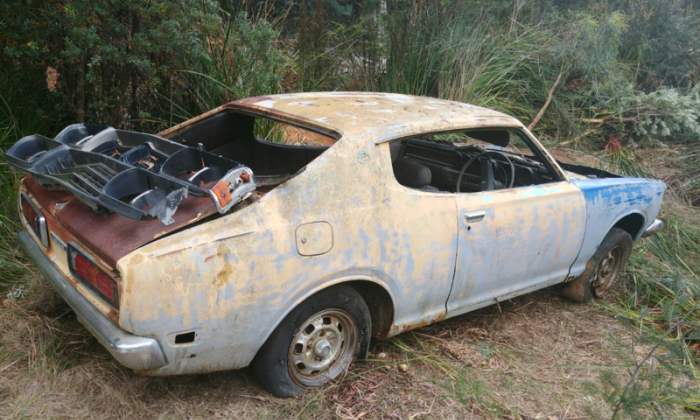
(487,171)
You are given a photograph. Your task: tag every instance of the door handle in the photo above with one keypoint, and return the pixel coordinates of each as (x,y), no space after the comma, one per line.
(474,216)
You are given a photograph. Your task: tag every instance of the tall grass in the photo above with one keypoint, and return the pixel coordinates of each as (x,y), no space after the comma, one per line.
(463,54)
(664,287)
(15,121)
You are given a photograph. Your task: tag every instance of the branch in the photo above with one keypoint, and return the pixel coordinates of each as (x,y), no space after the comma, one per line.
(640,364)
(546,104)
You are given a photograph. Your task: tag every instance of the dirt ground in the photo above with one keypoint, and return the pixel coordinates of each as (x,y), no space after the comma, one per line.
(534,357)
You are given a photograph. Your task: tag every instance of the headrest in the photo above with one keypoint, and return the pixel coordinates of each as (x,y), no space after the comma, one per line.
(412,174)
(396,149)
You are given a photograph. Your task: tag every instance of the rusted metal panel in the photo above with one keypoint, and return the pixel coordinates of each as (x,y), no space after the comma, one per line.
(182,126)
(111,236)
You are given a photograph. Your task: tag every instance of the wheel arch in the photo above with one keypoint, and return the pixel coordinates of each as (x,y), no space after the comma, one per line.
(632,223)
(376,294)
(380,303)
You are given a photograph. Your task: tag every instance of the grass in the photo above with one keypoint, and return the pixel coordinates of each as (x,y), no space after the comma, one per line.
(533,358)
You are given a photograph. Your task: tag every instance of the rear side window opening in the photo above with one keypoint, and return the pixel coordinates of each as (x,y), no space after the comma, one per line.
(483,157)
(273,150)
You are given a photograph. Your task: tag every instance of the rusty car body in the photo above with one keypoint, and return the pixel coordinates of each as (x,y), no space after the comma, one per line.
(206,292)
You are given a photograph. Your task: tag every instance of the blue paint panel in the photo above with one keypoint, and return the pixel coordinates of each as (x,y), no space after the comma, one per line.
(609,200)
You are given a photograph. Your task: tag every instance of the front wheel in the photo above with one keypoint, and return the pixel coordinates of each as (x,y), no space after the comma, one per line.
(315,343)
(603,269)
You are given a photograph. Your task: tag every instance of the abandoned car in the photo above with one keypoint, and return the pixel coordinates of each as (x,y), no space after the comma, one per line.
(285,231)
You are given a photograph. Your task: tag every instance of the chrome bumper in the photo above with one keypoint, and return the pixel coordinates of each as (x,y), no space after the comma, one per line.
(138,353)
(654,227)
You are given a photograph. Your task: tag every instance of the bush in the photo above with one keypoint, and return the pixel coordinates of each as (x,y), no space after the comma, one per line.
(665,114)
(104,60)
(244,60)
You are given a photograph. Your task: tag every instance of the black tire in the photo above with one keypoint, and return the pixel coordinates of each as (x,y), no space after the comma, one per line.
(281,368)
(602,270)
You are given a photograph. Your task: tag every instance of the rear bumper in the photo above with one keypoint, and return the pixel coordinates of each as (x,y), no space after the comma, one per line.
(138,353)
(654,227)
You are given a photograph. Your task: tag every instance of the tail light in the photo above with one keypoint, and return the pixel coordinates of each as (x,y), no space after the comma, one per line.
(84,269)
(35,219)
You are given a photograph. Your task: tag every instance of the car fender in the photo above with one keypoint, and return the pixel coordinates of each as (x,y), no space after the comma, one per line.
(335,279)
(608,201)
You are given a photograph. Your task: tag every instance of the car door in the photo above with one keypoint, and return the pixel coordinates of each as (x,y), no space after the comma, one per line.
(418,247)
(514,241)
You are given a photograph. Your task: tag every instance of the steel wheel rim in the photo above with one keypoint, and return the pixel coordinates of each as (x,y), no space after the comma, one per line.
(607,271)
(322,348)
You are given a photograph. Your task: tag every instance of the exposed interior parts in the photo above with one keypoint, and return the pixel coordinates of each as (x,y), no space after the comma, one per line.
(476,160)
(143,176)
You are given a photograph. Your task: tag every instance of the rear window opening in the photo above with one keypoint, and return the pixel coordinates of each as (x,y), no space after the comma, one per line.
(274,151)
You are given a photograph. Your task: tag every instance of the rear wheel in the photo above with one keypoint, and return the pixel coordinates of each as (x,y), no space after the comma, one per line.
(603,269)
(315,343)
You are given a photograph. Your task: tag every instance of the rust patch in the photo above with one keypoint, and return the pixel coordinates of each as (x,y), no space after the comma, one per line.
(253,100)
(112,236)
(222,192)
(180,127)
(223,275)
(407,327)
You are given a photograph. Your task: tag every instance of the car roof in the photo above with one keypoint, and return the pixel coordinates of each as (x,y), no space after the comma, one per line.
(380,116)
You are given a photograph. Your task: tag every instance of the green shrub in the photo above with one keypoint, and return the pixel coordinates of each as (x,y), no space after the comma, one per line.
(104,60)
(665,114)
(243,61)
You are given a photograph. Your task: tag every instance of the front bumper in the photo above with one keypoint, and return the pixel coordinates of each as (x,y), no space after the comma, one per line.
(138,353)
(654,227)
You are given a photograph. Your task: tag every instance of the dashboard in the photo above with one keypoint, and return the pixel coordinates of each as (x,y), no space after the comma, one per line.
(446,161)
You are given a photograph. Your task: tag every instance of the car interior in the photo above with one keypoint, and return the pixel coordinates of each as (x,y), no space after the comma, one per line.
(249,140)
(457,161)
(469,161)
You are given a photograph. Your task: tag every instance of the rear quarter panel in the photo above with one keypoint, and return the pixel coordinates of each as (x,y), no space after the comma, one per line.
(609,200)
(233,279)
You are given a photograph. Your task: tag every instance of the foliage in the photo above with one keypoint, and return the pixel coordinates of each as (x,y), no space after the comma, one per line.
(665,114)
(245,61)
(109,57)
(662,38)
(16,120)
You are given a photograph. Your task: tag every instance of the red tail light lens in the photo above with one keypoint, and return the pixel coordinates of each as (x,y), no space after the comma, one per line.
(29,213)
(81,265)
(106,286)
(88,274)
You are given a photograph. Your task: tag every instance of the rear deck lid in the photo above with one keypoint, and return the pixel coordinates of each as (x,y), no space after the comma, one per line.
(139,176)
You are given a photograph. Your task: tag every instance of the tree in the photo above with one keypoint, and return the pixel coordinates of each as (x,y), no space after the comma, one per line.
(105,57)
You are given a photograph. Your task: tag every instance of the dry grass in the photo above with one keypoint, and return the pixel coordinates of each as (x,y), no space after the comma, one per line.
(543,351)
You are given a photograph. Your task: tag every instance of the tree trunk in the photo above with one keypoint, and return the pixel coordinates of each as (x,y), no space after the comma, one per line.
(80,90)
(126,75)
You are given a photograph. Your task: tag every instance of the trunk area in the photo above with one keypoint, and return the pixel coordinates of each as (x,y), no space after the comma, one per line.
(111,236)
(108,226)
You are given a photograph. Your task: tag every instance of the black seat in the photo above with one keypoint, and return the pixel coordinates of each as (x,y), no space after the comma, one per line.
(410,173)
